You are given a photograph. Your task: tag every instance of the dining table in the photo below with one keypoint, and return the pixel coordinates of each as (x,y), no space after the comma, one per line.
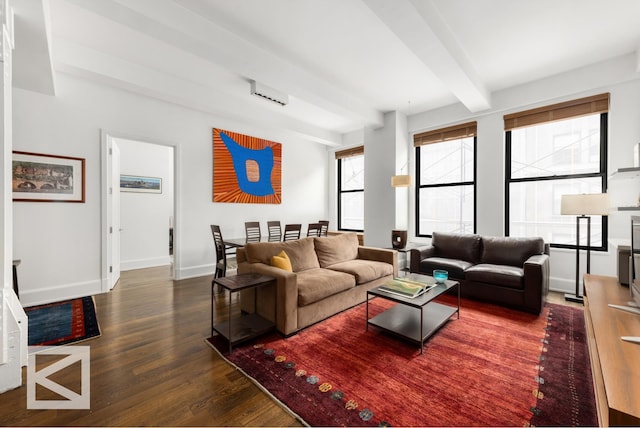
(241,242)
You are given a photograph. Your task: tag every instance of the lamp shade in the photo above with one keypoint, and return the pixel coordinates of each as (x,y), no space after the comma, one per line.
(585,204)
(401,181)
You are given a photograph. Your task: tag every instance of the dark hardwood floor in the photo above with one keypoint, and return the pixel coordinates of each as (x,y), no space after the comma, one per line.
(152,367)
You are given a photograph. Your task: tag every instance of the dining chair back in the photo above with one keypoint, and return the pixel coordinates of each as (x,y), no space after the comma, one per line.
(252,231)
(221,254)
(275,232)
(291,232)
(324,230)
(314,229)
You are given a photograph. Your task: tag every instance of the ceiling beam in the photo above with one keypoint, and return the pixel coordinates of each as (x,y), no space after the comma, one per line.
(32,59)
(183,25)
(87,63)
(419,25)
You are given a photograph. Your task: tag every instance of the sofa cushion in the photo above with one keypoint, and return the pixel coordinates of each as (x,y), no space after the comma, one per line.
(316,284)
(363,270)
(509,250)
(336,249)
(301,253)
(504,275)
(455,268)
(467,247)
(282,261)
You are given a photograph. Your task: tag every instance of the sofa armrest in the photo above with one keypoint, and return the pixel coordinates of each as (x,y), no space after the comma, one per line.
(536,281)
(286,296)
(418,254)
(379,255)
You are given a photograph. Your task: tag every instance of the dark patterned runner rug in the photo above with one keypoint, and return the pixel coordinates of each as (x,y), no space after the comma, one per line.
(492,367)
(61,323)
(565,391)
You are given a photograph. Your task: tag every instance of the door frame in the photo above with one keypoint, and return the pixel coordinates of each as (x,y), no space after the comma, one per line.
(105,138)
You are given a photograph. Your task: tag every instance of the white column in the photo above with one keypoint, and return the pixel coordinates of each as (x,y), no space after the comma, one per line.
(13,321)
(385,153)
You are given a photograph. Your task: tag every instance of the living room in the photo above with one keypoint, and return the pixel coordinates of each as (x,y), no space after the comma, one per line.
(94,94)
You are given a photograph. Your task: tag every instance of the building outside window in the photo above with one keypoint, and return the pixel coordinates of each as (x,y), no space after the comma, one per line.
(351,189)
(446,171)
(553,157)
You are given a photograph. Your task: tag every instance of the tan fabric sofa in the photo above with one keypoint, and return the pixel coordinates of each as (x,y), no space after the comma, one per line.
(330,274)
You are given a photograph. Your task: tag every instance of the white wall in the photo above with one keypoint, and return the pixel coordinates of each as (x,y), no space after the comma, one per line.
(145,217)
(620,79)
(59,243)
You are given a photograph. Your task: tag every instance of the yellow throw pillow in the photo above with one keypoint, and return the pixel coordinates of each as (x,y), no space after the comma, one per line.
(282,261)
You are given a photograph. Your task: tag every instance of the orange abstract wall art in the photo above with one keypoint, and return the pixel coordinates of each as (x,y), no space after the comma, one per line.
(246,169)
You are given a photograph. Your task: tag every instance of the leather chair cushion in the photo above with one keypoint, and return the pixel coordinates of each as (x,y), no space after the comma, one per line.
(364,270)
(456,268)
(509,250)
(504,275)
(316,284)
(467,247)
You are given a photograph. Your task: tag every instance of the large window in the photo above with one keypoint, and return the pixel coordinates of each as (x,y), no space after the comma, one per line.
(351,189)
(549,157)
(445,171)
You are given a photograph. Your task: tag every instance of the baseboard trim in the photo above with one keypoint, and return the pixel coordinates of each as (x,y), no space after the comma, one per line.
(145,263)
(58,293)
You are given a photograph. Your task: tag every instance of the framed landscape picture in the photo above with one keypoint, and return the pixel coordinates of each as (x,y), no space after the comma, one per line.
(39,177)
(139,184)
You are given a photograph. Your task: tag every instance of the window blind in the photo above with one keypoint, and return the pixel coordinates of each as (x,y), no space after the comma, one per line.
(580,107)
(354,151)
(454,132)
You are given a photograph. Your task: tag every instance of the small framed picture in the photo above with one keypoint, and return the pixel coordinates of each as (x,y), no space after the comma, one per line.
(38,177)
(139,184)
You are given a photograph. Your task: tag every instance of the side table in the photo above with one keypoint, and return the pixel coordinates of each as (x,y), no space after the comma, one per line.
(246,326)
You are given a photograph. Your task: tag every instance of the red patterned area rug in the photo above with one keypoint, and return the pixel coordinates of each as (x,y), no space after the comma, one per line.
(492,367)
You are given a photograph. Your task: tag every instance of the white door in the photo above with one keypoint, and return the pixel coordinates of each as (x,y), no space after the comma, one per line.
(114,229)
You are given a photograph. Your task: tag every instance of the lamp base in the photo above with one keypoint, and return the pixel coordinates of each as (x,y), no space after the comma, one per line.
(574,298)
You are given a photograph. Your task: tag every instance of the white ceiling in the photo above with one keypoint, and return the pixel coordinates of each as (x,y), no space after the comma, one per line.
(343,63)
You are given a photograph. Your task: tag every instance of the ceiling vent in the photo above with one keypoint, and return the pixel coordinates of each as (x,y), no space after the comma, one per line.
(268,93)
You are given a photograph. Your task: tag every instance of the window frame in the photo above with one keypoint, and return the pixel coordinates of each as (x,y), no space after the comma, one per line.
(420,186)
(602,174)
(341,192)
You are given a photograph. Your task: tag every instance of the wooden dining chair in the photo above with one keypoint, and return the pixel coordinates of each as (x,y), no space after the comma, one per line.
(252,231)
(291,232)
(314,229)
(221,253)
(325,227)
(275,232)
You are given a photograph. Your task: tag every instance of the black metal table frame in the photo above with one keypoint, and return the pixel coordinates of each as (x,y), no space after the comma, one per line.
(420,302)
(228,284)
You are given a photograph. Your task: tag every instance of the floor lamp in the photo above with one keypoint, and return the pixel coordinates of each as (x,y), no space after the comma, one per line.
(583,206)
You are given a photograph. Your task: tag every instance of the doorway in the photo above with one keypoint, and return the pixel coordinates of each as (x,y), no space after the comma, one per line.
(139,222)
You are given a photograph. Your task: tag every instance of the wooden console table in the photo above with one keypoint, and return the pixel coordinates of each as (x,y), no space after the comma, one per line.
(615,364)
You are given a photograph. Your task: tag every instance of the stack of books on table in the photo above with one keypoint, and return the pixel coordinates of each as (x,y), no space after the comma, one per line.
(406,287)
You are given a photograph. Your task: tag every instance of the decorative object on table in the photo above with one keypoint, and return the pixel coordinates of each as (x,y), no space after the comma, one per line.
(398,239)
(61,323)
(583,206)
(485,369)
(246,169)
(140,184)
(440,275)
(40,177)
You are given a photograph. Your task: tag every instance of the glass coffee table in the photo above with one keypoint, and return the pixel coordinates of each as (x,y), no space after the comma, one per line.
(415,319)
